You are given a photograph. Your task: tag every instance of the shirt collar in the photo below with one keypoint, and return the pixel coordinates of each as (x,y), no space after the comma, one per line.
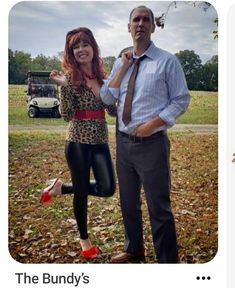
(150,52)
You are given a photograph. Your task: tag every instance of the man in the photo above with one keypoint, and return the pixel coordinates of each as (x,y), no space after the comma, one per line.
(160,95)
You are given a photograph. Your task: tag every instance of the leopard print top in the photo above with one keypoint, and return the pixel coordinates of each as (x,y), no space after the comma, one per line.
(87,131)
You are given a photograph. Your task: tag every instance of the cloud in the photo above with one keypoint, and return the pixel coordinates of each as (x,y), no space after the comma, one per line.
(39,27)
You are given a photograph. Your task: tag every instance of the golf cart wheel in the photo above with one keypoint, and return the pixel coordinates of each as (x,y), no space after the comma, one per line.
(33,112)
(56,113)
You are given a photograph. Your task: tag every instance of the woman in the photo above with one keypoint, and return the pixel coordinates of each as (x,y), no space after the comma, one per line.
(86,144)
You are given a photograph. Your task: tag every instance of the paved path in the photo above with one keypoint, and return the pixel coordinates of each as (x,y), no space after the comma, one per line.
(195,128)
(200,128)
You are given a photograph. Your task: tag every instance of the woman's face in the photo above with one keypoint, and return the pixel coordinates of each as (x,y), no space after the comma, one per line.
(83,53)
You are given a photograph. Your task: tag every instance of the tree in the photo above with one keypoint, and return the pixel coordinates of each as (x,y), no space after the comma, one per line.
(19,65)
(12,66)
(54,63)
(210,74)
(40,63)
(192,66)
(108,63)
(44,63)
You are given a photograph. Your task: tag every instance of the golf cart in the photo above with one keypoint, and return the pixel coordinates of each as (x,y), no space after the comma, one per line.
(42,95)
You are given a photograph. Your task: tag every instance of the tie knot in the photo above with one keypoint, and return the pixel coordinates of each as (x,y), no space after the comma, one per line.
(137,60)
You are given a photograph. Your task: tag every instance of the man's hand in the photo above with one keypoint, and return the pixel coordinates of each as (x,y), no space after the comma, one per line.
(127,59)
(146,129)
(59,77)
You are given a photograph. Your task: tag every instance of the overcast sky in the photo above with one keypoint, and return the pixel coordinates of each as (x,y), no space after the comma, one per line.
(39,27)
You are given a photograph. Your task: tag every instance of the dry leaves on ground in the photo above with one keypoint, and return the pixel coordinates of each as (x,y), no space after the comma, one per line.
(48,234)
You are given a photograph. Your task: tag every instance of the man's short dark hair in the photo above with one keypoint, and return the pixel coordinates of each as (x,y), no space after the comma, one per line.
(143,7)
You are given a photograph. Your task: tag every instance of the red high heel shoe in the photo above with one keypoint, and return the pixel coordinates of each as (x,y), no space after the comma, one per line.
(90,253)
(45,195)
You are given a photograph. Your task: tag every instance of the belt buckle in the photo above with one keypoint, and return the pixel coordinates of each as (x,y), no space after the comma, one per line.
(130,137)
(136,138)
(141,139)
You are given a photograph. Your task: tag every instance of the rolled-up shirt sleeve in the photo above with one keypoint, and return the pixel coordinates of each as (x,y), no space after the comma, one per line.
(110,95)
(179,96)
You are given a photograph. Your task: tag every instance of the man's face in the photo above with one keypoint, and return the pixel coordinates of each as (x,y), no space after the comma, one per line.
(141,25)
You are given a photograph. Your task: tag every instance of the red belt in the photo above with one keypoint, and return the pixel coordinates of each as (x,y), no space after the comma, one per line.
(89,114)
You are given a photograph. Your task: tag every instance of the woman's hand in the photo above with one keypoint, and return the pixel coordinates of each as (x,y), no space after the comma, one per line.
(59,77)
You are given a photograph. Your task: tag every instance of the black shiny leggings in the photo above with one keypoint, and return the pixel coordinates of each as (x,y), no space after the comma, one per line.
(81,158)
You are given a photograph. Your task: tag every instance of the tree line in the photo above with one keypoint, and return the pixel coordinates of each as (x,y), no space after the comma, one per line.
(198,76)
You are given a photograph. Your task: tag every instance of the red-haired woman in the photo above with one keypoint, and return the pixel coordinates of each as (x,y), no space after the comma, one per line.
(86,144)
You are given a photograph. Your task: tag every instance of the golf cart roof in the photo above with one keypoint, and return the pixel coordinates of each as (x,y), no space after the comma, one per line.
(38,73)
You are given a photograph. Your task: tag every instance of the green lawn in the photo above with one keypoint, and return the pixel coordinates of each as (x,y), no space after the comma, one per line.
(203,109)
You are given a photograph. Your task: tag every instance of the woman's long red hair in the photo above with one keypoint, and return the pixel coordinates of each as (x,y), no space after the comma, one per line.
(69,63)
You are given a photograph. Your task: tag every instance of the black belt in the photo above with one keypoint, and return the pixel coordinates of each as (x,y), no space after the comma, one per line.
(142,139)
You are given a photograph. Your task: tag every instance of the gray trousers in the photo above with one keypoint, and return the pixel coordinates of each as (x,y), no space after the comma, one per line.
(145,161)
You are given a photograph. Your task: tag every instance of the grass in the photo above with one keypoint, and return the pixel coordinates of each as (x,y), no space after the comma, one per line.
(203,109)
